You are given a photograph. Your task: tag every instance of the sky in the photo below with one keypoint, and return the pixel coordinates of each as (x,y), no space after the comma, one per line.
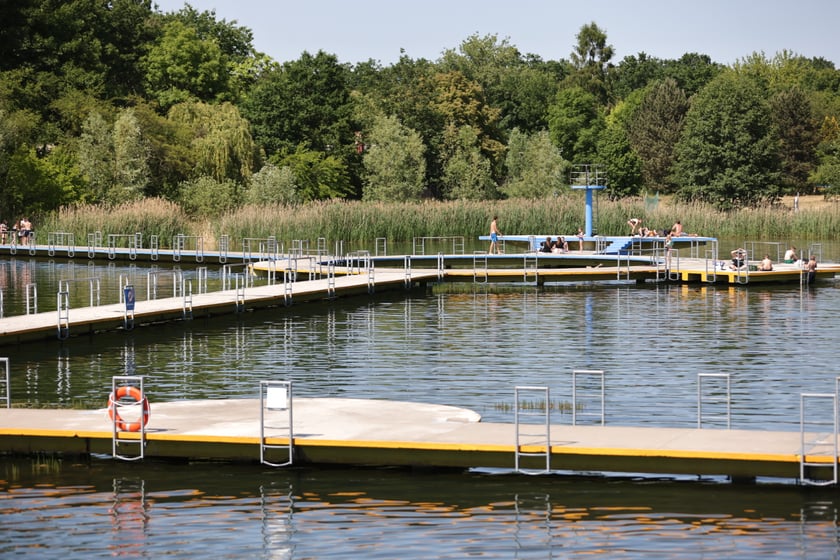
(358,30)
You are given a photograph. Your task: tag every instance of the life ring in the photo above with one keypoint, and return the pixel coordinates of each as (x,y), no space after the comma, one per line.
(128,392)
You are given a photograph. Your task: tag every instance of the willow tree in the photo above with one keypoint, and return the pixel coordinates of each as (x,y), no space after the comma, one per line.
(222,142)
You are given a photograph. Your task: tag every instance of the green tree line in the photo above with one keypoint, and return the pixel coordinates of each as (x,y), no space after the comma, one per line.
(111,102)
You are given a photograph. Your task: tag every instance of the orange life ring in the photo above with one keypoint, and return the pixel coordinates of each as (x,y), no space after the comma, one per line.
(129,392)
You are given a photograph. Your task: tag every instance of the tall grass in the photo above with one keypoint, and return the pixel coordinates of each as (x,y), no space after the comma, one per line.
(152,216)
(363,222)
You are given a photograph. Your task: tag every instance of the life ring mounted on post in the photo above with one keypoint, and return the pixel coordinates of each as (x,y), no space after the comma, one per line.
(135,394)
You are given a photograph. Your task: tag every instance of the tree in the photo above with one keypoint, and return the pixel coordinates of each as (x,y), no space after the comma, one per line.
(591,59)
(96,156)
(221,139)
(272,185)
(623,166)
(131,168)
(305,102)
(727,155)
(318,176)
(395,169)
(692,72)
(205,196)
(535,167)
(180,66)
(797,131)
(655,129)
(574,122)
(467,173)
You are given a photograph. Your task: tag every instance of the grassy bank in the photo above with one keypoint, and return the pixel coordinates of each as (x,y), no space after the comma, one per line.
(363,222)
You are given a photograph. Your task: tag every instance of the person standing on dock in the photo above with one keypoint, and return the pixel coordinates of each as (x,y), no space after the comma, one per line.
(495,234)
(580,239)
(634,223)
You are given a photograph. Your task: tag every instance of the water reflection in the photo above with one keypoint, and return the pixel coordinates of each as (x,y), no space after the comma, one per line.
(152,509)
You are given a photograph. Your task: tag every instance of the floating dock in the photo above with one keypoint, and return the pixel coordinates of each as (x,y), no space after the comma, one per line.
(360,432)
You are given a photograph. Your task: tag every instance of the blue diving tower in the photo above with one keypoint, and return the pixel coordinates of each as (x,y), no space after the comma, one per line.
(589,177)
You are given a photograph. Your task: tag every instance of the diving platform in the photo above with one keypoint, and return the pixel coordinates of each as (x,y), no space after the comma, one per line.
(361,432)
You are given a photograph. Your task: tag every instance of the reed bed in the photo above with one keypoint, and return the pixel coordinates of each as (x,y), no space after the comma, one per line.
(152,216)
(363,222)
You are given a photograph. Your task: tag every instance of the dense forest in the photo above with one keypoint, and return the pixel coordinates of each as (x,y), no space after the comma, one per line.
(107,102)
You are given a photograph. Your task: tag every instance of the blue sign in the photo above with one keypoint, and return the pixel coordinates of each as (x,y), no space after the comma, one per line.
(128,292)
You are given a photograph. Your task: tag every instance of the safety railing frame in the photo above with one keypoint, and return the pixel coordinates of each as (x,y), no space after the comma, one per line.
(122,381)
(276,396)
(575,396)
(55,238)
(806,444)
(727,400)
(518,414)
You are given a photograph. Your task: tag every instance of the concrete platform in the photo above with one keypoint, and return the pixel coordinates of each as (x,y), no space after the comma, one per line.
(392,433)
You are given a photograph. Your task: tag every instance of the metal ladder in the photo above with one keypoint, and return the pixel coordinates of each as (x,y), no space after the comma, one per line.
(821,444)
(6,380)
(63,305)
(117,440)
(276,397)
(531,267)
(480,268)
(711,399)
(525,431)
(579,385)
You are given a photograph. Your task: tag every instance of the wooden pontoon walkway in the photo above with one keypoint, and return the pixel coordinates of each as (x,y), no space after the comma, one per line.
(353,280)
(86,320)
(378,432)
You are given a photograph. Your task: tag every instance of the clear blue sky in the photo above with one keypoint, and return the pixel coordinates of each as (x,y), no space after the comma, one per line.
(356,30)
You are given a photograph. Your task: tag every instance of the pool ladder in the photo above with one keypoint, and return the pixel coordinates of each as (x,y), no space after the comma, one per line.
(276,408)
(532,434)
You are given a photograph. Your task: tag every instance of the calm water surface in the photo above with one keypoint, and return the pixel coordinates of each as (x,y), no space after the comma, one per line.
(464,349)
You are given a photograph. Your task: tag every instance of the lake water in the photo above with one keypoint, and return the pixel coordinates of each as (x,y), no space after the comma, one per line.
(468,348)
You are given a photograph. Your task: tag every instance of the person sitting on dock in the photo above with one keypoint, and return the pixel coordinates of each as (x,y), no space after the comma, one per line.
(634,223)
(547,245)
(790,255)
(739,258)
(560,246)
(766,264)
(677,229)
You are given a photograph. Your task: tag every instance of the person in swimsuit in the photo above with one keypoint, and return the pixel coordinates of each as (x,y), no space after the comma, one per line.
(494,236)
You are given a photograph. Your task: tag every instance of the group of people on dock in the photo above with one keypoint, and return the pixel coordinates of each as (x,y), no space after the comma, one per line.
(547,246)
(676,230)
(20,232)
(739,261)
